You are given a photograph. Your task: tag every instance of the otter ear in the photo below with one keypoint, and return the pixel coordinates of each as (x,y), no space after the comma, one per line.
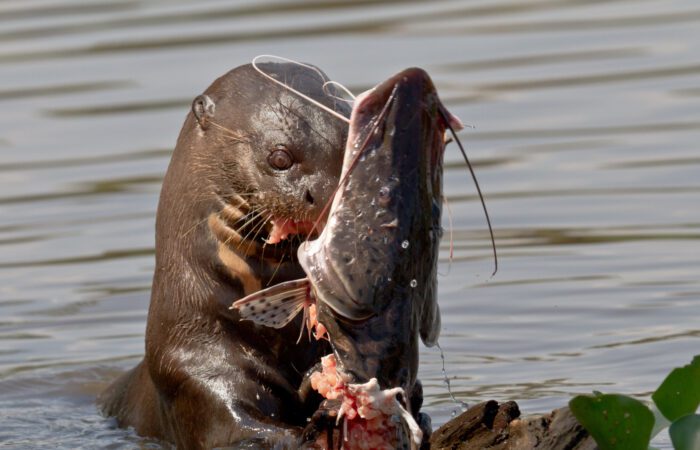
(203,108)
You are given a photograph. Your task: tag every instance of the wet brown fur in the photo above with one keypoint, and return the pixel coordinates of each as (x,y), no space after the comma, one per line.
(208,379)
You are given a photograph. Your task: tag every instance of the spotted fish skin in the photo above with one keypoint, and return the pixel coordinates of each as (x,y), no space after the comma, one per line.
(372,272)
(276,306)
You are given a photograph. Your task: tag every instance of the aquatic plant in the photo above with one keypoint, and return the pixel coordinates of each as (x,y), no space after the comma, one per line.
(620,422)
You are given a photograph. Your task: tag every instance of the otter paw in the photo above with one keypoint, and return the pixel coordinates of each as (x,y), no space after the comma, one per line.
(322,431)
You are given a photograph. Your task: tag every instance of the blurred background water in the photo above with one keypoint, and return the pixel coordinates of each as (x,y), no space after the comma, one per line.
(587,120)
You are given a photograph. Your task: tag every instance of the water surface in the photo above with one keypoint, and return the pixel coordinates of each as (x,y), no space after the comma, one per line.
(587,119)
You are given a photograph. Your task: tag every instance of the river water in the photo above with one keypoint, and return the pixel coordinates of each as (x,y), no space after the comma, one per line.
(587,123)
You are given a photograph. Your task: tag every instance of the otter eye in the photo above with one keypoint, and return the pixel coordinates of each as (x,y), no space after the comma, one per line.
(280,158)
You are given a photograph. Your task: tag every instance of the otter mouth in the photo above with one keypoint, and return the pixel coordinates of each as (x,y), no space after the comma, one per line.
(238,222)
(284,228)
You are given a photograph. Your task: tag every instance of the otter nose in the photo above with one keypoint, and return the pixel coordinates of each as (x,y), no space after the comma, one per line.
(309,198)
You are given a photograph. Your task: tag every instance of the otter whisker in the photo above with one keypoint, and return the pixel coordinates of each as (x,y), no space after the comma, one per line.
(232,214)
(234,235)
(235,139)
(257,227)
(253,240)
(277,267)
(262,257)
(240,225)
(238,194)
(239,199)
(252,230)
(251,218)
(239,229)
(229,132)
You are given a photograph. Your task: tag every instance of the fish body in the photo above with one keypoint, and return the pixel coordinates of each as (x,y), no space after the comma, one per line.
(372,271)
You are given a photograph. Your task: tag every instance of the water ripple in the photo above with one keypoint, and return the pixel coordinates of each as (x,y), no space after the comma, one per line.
(587,117)
(62,89)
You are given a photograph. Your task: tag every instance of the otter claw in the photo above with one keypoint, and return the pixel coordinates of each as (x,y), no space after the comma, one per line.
(321,430)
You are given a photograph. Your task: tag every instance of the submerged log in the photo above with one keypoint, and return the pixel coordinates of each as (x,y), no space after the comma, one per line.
(493,426)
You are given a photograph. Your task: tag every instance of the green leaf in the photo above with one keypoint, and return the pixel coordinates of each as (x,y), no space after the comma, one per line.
(679,394)
(685,433)
(614,421)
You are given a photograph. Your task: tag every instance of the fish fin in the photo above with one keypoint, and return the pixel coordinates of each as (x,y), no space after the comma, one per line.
(275,306)
(430,318)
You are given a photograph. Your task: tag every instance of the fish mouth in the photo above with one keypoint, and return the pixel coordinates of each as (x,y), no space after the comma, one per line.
(403,88)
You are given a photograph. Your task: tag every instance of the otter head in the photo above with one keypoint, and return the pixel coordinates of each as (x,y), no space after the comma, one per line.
(254,162)
(278,155)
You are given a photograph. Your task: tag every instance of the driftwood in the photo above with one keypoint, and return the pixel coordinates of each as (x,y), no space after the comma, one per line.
(493,426)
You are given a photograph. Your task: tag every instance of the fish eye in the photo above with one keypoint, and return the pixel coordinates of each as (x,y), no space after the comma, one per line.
(280,158)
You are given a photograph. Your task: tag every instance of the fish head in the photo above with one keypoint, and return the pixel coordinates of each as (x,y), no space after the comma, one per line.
(373,268)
